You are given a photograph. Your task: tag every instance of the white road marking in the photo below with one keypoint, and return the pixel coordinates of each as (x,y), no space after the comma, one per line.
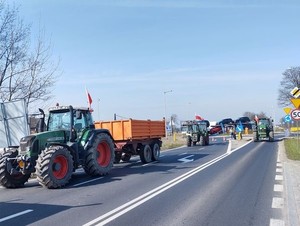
(85,182)
(15,215)
(277,203)
(115,213)
(279,177)
(278,187)
(186,159)
(278,170)
(276,222)
(279,164)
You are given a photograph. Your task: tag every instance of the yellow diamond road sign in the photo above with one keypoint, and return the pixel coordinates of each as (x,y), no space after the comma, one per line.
(295,102)
(295,92)
(287,110)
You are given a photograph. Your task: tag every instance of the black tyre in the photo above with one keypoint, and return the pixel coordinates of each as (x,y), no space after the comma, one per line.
(207,140)
(118,156)
(271,136)
(100,157)
(155,151)
(194,143)
(202,141)
(146,154)
(126,157)
(54,167)
(255,137)
(7,180)
(188,141)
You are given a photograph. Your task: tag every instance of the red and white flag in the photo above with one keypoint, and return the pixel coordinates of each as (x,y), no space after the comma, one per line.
(89,99)
(198,117)
(256,118)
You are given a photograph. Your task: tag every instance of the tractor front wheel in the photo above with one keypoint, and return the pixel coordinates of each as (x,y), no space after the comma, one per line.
(100,157)
(54,167)
(7,179)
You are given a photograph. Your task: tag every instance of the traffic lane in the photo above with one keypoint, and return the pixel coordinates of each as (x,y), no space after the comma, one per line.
(237,190)
(134,177)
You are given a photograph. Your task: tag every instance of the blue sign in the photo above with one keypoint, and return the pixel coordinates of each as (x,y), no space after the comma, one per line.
(239,128)
(287,118)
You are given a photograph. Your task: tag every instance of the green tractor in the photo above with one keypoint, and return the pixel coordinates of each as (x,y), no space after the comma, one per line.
(263,130)
(67,142)
(197,132)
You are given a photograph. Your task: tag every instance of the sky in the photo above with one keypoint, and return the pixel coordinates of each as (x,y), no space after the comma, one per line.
(219,58)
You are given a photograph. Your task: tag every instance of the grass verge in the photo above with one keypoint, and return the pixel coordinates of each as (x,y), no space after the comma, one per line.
(292,148)
(173,142)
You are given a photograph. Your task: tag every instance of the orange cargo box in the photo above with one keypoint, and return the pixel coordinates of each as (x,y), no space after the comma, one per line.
(133,129)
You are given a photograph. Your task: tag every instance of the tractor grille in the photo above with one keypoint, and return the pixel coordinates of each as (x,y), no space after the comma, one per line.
(26,143)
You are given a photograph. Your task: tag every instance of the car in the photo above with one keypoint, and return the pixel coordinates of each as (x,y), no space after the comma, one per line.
(243,120)
(226,121)
(246,122)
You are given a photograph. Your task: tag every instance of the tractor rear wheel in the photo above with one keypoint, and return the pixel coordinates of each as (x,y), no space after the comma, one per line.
(202,141)
(271,136)
(100,157)
(146,154)
(54,167)
(8,180)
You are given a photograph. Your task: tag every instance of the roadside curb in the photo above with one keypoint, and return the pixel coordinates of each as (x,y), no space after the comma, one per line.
(291,173)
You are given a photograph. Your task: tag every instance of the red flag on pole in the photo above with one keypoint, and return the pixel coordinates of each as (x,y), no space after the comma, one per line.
(198,117)
(89,99)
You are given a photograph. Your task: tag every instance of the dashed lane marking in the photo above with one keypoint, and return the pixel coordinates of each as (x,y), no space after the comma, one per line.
(278,187)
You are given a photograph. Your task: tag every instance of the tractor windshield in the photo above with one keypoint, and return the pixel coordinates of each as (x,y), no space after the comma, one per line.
(59,120)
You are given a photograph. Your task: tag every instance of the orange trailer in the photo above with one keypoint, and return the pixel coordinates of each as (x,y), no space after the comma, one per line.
(135,137)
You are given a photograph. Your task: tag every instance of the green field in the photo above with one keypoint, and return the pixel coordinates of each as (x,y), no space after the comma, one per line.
(292,148)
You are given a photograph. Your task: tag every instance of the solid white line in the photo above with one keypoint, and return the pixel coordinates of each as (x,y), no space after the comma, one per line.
(15,215)
(113,214)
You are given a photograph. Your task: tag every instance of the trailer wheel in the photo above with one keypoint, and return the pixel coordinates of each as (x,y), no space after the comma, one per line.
(100,157)
(126,157)
(54,167)
(155,152)
(146,154)
(6,179)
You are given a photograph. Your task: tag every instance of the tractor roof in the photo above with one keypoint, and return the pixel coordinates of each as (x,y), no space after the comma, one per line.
(66,108)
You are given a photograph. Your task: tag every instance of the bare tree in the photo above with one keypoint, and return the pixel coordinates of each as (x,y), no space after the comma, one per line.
(25,72)
(252,115)
(290,80)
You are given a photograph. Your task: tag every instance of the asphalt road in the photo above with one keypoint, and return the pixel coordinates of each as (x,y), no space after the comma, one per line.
(188,186)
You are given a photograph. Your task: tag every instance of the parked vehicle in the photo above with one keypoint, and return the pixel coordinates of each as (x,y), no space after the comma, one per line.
(215,130)
(245,121)
(226,121)
(197,132)
(263,130)
(135,137)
